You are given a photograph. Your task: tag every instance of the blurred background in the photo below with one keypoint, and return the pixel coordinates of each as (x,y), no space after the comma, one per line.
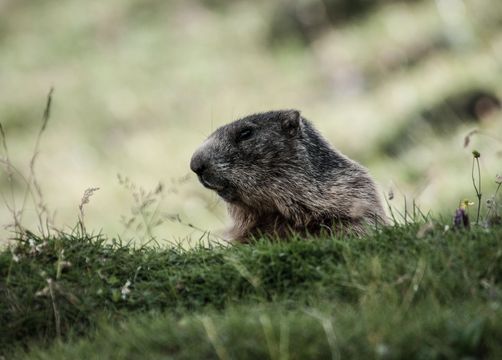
(138,85)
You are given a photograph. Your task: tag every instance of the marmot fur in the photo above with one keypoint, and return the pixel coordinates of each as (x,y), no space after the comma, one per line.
(279,176)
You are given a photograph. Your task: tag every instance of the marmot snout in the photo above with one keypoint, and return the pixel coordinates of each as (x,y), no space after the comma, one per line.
(278,176)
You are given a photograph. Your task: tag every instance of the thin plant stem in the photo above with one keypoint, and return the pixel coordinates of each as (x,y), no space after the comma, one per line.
(477,187)
(391,211)
(32,178)
(494,206)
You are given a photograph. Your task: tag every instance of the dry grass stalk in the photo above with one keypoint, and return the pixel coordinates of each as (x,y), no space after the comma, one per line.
(85,200)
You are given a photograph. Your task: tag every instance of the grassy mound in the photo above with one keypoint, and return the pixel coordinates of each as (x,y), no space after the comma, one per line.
(392,294)
(338,330)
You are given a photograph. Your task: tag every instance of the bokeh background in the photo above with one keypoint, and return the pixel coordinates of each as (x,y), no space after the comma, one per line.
(138,85)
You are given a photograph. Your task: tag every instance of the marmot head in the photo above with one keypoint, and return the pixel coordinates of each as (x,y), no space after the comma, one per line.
(241,160)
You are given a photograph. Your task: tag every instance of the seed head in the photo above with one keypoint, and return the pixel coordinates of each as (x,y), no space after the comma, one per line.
(391,194)
(498,179)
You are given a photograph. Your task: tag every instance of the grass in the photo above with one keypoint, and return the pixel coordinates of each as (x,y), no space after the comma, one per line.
(393,294)
(341,331)
(407,291)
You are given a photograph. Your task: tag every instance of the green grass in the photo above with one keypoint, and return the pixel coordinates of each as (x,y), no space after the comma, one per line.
(393,294)
(126,79)
(336,331)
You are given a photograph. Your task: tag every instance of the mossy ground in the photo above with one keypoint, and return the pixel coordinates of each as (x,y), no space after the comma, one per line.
(395,294)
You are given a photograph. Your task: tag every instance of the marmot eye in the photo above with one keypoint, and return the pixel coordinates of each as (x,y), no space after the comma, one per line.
(244,134)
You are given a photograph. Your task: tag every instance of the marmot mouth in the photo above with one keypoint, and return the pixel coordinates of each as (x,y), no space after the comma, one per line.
(209,184)
(221,187)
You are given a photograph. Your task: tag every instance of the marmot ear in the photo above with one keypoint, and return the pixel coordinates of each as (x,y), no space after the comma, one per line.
(290,121)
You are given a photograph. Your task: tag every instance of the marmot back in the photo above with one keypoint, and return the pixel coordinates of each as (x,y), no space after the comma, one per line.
(278,176)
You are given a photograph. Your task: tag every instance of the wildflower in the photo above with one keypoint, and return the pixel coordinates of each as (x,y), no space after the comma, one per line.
(464,204)
(476,154)
(125,289)
(36,248)
(461,218)
(498,179)
(15,258)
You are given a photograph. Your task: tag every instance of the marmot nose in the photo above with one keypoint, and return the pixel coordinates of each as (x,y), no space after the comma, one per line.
(198,164)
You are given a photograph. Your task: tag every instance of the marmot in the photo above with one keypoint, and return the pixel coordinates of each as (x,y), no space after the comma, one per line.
(279,176)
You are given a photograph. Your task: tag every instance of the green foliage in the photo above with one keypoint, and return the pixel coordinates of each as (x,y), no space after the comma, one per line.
(334,331)
(393,294)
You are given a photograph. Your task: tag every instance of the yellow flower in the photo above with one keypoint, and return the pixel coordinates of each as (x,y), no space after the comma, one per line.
(464,204)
